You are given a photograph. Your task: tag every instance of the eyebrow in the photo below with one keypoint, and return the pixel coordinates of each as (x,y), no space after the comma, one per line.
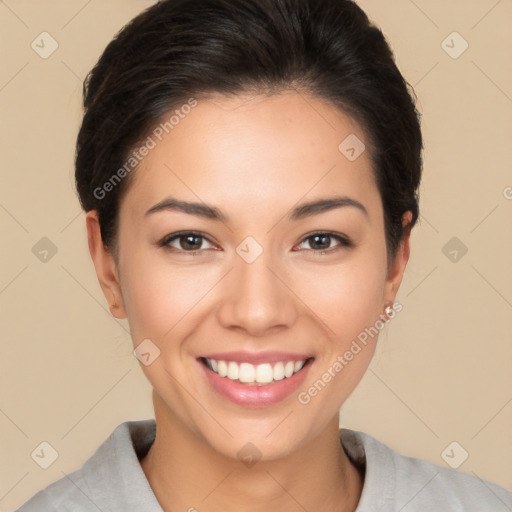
(300,212)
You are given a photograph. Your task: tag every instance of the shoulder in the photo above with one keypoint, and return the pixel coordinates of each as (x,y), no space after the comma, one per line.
(67,494)
(397,482)
(70,493)
(111,479)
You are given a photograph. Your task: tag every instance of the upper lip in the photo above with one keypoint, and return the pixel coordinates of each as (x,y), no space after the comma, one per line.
(257,357)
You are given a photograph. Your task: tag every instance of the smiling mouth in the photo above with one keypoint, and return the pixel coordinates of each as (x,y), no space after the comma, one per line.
(255,375)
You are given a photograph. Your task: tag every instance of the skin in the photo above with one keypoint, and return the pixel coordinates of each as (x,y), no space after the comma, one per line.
(254,158)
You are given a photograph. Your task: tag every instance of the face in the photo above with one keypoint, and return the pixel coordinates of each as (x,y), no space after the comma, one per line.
(252,276)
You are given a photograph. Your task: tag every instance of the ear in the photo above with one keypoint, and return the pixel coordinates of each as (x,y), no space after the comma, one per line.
(397,267)
(105,265)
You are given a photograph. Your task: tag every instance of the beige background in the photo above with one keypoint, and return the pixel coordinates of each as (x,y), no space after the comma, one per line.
(442,371)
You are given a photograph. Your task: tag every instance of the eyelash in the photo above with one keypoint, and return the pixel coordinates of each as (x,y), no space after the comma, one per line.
(344,242)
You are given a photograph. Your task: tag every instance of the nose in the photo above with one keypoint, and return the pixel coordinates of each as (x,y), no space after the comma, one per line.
(258,298)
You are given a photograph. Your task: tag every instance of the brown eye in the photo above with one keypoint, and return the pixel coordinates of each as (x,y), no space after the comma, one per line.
(321,241)
(187,241)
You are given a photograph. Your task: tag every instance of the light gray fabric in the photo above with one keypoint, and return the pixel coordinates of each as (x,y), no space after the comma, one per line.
(112,480)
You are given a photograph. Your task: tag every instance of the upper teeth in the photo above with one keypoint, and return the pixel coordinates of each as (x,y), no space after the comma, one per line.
(249,373)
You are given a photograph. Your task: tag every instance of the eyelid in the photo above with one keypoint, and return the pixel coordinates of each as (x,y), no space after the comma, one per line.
(344,241)
(166,240)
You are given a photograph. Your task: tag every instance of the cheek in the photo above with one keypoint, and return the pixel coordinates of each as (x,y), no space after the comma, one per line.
(158,295)
(347,297)
(348,301)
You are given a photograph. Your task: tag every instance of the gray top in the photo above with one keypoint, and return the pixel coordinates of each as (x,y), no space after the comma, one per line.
(112,480)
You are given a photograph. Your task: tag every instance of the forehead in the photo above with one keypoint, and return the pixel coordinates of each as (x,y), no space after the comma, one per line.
(254,151)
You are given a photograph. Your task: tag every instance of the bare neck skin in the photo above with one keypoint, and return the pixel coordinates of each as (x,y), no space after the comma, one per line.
(186,474)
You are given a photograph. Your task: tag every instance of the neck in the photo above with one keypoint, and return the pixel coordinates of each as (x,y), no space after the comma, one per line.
(185,473)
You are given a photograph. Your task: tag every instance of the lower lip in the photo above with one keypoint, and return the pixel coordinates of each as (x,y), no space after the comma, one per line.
(256,395)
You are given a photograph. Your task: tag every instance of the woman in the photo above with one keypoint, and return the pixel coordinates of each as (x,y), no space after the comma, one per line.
(250,172)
